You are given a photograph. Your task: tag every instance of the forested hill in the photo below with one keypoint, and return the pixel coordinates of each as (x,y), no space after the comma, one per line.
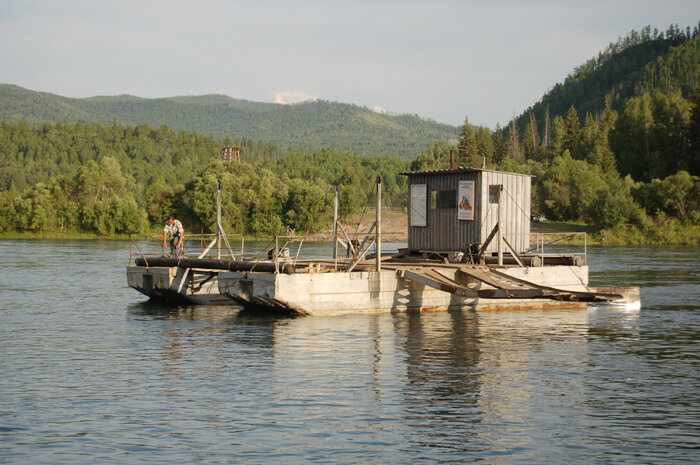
(307,125)
(640,62)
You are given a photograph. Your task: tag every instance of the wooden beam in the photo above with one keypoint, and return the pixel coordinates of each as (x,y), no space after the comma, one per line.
(512,251)
(486,244)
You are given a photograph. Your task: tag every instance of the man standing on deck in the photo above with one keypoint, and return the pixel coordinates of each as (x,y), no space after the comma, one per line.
(177,235)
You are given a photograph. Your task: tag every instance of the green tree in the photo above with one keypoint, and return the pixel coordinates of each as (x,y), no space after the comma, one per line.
(677,195)
(484,143)
(266,212)
(558,131)
(467,148)
(693,133)
(569,187)
(570,139)
(309,205)
(237,181)
(515,152)
(649,136)
(437,157)
(614,205)
(351,192)
(163,200)
(531,140)
(8,215)
(500,145)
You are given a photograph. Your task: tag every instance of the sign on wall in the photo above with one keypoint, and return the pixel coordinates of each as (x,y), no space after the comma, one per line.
(465,200)
(418,204)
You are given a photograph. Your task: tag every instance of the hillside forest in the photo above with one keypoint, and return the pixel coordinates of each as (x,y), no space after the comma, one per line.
(307,126)
(627,162)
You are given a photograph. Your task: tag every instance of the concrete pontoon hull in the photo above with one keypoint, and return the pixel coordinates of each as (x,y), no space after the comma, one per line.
(192,286)
(337,293)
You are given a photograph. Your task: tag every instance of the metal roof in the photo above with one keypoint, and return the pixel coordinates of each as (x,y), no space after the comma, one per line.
(461,169)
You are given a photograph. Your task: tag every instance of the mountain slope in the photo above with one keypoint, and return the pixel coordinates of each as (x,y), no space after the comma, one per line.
(641,61)
(20,104)
(313,124)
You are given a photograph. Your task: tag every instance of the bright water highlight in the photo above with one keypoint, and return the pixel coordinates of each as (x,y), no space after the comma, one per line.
(92,373)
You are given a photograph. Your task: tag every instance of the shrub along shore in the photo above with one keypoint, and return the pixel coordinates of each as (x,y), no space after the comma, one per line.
(660,233)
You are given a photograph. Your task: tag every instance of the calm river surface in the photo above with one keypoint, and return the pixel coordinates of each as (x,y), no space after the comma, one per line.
(92,373)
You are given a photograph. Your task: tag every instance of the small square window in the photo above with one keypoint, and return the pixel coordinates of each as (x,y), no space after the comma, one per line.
(443,199)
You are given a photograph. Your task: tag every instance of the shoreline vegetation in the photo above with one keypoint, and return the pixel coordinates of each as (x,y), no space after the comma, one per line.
(669,232)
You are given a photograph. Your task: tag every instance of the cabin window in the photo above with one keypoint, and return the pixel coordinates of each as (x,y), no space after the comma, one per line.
(443,199)
(418,205)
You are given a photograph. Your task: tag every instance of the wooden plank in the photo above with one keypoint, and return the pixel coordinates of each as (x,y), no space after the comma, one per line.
(493,280)
(437,281)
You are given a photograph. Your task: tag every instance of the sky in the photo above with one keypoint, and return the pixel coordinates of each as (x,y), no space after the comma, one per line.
(443,60)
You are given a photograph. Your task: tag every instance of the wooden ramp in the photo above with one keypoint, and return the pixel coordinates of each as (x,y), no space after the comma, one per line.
(498,285)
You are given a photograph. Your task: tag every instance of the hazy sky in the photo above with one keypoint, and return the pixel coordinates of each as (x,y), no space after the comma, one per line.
(442,60)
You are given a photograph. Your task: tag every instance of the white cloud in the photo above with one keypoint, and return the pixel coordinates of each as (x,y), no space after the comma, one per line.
(293,96)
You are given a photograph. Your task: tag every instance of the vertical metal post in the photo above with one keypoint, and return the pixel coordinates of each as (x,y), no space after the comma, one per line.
(275,254)
(500,226)
(218,220)
(542,248)
(335,223)
(379,223)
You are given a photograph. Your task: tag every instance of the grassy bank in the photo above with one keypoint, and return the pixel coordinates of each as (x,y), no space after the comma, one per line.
(665,232)
(154,235)
(60,235)
(669,232)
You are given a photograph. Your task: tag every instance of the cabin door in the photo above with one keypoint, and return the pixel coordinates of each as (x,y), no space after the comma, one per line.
(443,225)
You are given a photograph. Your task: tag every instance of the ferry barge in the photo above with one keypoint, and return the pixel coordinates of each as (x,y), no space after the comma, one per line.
(469,246)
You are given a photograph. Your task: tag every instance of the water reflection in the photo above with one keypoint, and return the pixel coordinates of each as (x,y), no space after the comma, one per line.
(459,381)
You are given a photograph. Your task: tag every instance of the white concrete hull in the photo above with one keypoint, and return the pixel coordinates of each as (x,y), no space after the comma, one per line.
(338,293)
(191,286)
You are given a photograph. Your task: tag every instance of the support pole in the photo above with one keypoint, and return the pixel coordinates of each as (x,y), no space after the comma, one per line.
(379,223)
(335,223)
(500,226)
(218,220)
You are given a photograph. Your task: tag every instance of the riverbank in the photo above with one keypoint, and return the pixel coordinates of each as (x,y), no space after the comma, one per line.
(395,224)
(666,232)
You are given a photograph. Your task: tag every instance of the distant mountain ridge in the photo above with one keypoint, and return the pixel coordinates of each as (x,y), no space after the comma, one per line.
(307,125)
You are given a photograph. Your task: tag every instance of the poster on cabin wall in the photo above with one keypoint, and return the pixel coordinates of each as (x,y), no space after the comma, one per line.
(465,200)
(418,204)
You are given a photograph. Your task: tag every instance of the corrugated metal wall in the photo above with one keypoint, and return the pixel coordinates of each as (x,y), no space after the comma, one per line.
(446,233)
(516,209)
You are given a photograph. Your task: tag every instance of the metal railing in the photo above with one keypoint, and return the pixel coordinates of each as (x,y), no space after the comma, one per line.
(554,242)
(146,246)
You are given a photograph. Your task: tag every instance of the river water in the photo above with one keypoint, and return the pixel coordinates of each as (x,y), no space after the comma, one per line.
(90,372)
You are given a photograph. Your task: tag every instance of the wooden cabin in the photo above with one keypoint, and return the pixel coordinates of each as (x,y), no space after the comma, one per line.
(453,208)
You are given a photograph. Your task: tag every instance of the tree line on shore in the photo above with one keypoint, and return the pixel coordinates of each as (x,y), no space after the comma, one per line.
(121,180)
